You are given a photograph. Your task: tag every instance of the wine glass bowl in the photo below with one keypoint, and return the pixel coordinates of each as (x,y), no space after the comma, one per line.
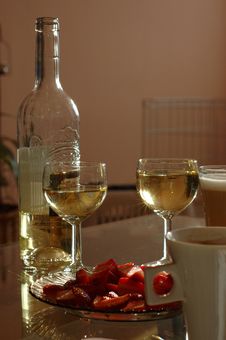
(167,187)
(74,190)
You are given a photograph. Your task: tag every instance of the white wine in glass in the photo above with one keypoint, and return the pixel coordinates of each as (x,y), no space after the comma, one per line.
(74,191)
(167,186)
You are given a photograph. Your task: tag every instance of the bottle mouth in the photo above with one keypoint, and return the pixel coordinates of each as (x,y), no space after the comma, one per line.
(42,22)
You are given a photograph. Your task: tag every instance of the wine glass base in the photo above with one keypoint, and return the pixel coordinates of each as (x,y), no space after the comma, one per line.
(161,262)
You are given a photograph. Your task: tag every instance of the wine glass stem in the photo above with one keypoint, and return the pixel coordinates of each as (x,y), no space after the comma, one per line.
(167,227)
(76,247)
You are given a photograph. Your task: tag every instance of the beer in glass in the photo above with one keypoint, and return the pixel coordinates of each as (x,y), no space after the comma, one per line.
(213,187)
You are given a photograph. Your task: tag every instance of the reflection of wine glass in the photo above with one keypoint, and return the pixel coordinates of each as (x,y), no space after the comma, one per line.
(167,186)
(74,191)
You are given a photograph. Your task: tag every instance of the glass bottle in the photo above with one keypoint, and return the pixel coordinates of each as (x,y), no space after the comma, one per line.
(47,127)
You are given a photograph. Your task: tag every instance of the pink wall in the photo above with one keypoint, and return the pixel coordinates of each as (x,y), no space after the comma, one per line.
(114,53)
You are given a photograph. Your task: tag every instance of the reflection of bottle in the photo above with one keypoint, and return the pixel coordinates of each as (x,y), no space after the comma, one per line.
(48,127)
(26,304)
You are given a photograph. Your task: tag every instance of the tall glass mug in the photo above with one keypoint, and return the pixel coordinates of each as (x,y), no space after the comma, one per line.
(213,187)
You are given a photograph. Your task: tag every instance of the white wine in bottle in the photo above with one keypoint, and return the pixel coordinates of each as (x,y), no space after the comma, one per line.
(47,127)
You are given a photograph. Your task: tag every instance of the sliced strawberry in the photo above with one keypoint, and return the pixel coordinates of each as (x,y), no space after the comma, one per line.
(135,305)
(129,269)
(108,303)
(124,268)
(51,291)
(94,290)
(113,277)
(82,276)
(162,283)
(128,285)
(109,265)
(112,294)
(76,297)
(81,298)
(101,277)
(136,273)
(69,284)
(112,287)
(66,296)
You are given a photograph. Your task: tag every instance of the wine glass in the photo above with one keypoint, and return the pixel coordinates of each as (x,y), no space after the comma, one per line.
(74,190)
(167,186)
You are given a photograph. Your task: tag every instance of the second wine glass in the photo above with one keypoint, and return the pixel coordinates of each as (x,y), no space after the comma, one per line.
(167,186)
(74,191)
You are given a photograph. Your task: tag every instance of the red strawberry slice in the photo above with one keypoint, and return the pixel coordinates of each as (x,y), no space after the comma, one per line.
(81,298)
(124,268)
(128,285)
(101,277)
(109,303)
(112,294)
(69,284)
(136,273)
(135,305)
(76,297)
(112,287)
(107,265)
(51,291)
(66,296)
(82,276)
(94,290)
(129,269)
(163,283)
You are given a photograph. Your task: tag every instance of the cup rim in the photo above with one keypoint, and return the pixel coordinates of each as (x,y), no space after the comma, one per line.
(208,169)
(206,233)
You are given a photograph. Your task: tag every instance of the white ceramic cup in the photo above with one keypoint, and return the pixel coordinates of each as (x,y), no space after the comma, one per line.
(199,275)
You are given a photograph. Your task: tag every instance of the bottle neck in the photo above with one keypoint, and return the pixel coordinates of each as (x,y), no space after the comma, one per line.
(47,53)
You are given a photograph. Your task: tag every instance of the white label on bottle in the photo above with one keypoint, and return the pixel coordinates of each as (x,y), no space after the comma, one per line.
(31,163)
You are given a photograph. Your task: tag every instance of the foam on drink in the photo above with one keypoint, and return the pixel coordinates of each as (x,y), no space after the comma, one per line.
(213,182)
(214,194)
